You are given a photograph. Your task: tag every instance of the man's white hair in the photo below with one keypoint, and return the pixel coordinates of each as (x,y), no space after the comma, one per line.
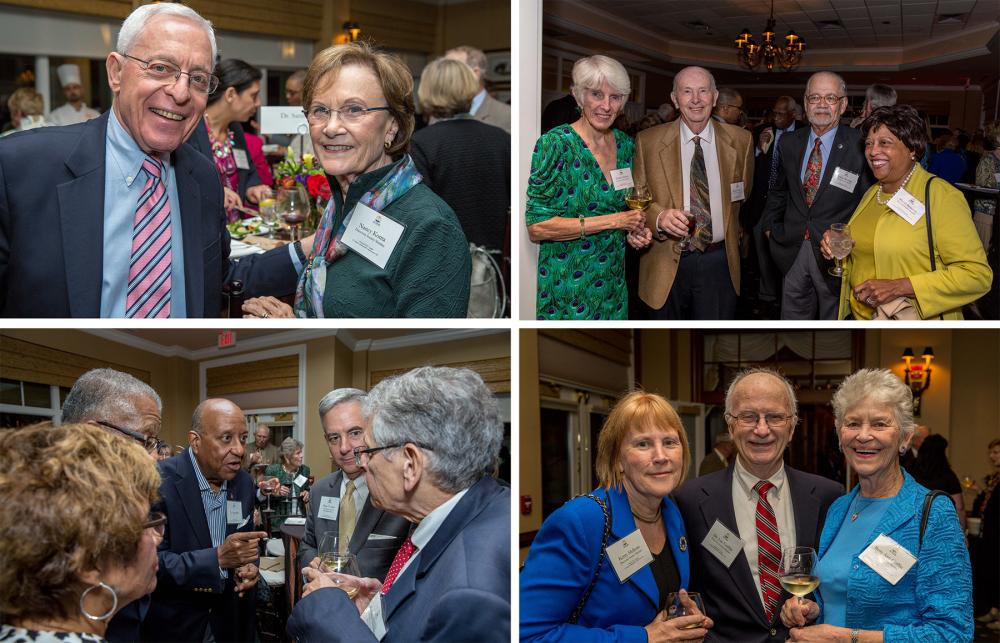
(138,19)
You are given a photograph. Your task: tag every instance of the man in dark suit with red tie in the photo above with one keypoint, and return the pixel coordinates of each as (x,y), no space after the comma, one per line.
(822,177)
(118,217)
(757,503)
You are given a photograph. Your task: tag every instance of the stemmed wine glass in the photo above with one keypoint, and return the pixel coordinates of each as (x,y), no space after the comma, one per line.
(841,244)
(293,206)
(798,575)
(638,197)
(269,216)
(675,608)
(342,563)
(685,243)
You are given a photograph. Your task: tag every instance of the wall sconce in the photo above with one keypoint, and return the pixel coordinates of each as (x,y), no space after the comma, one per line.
(917,376)
(352,29)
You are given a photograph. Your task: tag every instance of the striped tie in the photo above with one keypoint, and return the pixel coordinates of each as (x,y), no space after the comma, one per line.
(405,552)
(814,170)
(768,550)
(701,207)
(149,267)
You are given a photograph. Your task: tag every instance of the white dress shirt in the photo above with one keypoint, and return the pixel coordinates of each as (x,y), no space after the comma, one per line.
(745,505)
(711,168)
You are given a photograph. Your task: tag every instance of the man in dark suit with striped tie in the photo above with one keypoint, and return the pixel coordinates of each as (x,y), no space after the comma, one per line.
(205,585)
(118,217)
(757,503)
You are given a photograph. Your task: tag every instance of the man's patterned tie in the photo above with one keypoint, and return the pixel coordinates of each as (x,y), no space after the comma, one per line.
(700,206)
(814,170)
(768,550)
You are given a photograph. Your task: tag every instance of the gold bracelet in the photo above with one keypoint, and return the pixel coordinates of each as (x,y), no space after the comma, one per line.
(583,232)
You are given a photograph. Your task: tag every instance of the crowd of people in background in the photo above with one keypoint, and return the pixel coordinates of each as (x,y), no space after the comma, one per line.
(435,161)
(739,228)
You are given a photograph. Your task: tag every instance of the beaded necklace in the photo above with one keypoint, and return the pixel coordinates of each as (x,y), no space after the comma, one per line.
(222,150)
(878,192)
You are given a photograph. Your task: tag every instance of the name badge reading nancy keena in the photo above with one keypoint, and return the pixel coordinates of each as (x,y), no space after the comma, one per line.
(372,234)
(629,555)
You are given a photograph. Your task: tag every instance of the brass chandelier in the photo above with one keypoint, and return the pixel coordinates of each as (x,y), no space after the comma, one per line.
(751,54)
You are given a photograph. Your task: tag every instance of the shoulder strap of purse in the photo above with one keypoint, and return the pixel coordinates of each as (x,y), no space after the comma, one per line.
(925,514)
(927,214)
(606,510)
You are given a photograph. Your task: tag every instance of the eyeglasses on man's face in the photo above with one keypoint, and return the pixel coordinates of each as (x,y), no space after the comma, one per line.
(148,443)
(157,522)
(829,99)
(167,73)
(749,419)
(362,456)
(349,114)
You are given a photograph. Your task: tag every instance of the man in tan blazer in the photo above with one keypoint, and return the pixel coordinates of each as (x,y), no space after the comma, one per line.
(485,108)
(704,281)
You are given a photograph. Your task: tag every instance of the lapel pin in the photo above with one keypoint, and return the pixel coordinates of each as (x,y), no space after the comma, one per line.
(683,543)
(840,146)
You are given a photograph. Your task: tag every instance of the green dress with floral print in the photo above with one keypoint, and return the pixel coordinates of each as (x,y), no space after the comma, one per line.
(581,278)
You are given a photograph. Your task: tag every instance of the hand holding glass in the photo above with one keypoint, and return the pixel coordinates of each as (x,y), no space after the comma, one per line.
(638,197)
(677,607)
(346,564)
(797,575)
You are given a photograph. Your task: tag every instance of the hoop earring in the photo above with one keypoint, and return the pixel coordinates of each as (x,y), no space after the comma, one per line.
(114,602)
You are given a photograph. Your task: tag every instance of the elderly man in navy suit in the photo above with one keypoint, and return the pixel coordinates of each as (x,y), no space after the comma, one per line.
(205,586)
(432,436)
(757,503)
(118,217)
(341,502)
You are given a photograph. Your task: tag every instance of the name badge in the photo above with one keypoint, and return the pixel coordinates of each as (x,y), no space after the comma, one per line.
(300,481)
(722,543)
(240,156)
(372,234)
(736,191)
(622,178)
(906,205)
(889,559)
(234,512)
(329,508)
(844,179)
(629,555)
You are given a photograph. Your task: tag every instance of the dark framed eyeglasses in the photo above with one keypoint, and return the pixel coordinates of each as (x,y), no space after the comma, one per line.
(157,522)
(148,443)
(166,73)
(362,456)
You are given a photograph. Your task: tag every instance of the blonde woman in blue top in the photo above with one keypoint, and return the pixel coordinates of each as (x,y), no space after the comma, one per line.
(642,456)
(932,601)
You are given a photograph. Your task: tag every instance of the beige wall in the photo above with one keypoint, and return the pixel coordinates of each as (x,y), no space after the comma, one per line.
(975,401)
(529,431)
(665,363)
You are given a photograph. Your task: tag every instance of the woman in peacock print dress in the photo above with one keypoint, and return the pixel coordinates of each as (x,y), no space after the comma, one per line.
(574,210)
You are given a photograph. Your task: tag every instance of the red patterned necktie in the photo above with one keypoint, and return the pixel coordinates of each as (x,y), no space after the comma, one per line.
(148,292)
(814,170)
(403,555)
(768,550)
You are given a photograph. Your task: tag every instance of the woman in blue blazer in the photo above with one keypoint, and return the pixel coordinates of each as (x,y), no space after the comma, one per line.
(642,455)
(932,600)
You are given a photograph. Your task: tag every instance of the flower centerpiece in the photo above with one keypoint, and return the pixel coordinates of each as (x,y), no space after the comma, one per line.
(292,172)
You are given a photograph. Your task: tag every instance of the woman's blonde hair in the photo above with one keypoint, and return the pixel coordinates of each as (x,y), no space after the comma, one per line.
(393,76)
(72,499)
(26,102)
(447,87)
(640,410)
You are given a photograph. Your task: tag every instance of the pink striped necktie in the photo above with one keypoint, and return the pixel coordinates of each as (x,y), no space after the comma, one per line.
(149,266)
(403,555)
(768,550)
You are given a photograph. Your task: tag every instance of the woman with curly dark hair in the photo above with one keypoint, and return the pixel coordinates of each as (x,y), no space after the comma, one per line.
(905,264)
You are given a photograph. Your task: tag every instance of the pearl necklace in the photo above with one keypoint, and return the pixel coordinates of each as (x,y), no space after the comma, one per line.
(878,192)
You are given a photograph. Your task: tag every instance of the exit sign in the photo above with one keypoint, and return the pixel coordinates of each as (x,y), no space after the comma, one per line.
(227,338)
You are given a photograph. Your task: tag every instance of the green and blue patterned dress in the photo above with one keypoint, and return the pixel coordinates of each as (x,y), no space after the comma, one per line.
(581,278)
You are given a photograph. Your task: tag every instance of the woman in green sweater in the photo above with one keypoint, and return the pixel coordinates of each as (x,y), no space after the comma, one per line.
(387,246)
(293,482)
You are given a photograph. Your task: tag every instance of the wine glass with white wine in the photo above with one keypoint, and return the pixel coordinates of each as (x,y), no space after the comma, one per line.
(841,244)
(798,574)
(342,564)
(638,197)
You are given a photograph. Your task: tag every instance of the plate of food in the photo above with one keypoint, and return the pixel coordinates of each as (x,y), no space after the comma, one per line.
(245,227)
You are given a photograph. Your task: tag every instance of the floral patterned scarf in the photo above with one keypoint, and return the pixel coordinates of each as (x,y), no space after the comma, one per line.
(327,247)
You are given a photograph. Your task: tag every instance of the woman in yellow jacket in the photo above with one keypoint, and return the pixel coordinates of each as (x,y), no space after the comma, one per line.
(890,264)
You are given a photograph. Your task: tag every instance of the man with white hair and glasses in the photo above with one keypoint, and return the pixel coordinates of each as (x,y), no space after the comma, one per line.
(431,438)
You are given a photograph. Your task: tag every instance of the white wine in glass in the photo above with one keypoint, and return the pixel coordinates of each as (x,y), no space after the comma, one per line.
(797,571)
(638,197)
(841,244)
(342,564)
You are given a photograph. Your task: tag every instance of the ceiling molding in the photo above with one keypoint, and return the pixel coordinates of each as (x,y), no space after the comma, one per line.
(432,337)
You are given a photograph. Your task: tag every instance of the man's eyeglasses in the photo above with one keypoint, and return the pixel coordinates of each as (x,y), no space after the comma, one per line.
(738,108)
(350,114)
(148,443)
(749,419)
(362,456)
(167,73)
(157,522)
(829,99)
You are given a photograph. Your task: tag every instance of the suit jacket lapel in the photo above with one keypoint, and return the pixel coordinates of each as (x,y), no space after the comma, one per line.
(190,495)
(670,157)
(367,520)
(81,212)
(806,509)
(192,228)
(798,153)
(622,525)
(718,505)
(726,154)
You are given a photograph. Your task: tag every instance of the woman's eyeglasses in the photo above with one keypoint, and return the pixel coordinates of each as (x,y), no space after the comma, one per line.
(350,114)
(157,522)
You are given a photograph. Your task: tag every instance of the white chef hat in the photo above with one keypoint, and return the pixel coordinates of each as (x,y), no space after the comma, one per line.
(68,74)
